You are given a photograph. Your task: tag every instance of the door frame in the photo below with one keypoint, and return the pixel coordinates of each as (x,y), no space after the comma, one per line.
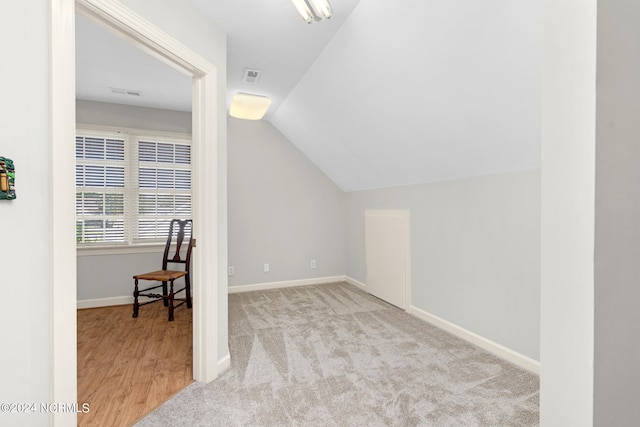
(406,215)
(206,191)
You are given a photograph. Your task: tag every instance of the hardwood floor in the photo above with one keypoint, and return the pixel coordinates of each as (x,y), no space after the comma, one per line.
(127,367)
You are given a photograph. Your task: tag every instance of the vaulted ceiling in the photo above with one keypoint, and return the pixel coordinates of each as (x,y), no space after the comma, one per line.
(389,93)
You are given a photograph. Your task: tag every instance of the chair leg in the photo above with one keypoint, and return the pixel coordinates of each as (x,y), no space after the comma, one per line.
(136,305)
(171,302)
(165,301)
(187,288)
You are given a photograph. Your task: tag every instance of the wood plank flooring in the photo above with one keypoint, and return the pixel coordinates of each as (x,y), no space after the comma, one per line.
(127,367)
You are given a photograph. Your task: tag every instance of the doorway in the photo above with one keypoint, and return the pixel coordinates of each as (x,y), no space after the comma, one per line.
(387,253)
(207,189)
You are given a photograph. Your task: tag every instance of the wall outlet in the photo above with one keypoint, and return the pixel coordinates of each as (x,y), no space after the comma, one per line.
(266,267)
(313,263)
(231,270)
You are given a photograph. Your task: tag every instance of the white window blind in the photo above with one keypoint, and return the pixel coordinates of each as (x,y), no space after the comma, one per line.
(129,185)
(164,186)
(100,189)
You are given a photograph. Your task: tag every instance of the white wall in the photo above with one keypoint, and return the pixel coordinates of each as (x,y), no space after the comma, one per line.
(26,357)
(422,91)
(617,216)
(475,252)
(568,177)
(282,209)
(27,348)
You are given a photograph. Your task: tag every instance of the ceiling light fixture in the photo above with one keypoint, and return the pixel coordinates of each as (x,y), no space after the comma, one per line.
(313,10)
(249,107)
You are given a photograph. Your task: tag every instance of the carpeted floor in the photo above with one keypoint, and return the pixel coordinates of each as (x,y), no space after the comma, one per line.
(332,355)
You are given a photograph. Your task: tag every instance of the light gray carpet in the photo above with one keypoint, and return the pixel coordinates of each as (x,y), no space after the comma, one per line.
(332,355)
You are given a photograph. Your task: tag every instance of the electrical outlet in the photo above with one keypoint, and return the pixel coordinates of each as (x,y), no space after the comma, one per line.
(231,270)
(266,267)
(313,263)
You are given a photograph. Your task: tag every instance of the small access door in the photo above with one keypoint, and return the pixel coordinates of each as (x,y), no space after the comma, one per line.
(387,249)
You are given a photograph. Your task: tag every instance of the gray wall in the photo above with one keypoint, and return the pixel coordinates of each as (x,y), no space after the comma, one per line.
(108,276)
(282,209)
(475,252)
(617,216)
(129,116)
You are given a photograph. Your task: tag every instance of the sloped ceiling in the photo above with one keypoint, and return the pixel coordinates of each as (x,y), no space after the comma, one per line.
(420,91)
(383,94)
(270,36)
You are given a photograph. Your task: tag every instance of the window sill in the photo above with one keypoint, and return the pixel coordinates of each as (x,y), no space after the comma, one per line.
(145,248)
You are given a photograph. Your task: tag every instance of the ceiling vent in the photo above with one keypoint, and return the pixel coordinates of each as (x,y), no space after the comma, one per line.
(251,76)
(130,92)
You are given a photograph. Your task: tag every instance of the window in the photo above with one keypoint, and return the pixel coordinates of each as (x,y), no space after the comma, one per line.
(129,185)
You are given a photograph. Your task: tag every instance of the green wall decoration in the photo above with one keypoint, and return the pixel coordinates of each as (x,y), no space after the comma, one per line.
(7,179)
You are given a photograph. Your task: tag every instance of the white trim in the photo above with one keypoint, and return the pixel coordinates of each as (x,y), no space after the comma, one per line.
(104,302)
(122,22)
(105,130)
(285,284)
(63,285)
(207,193)
(355,282)
(501,351)
(224,364)
(107,302)
(118,19)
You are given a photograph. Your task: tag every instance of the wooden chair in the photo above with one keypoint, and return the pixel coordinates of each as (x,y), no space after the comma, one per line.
(174,252)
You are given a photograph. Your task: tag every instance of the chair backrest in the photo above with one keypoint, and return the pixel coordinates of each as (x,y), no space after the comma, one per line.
(176,249)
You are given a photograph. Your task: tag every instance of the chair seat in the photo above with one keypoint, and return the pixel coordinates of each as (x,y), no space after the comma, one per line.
(161,275)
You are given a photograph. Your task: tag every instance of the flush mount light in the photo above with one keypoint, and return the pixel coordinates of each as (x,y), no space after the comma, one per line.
(313,10)
(249,107)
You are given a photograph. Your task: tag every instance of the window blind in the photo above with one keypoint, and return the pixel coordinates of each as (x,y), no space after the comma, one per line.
(164,186)
(129,185)
(100,189)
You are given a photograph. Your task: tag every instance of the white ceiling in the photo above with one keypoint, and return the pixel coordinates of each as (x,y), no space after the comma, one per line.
(270,35)
(105,61)
(383,94)
(420,91)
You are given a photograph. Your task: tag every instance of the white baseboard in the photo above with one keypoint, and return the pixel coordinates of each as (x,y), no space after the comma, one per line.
(128,299)
(285,284)
(355,282)
(107,302)
(501,351)
(224,364)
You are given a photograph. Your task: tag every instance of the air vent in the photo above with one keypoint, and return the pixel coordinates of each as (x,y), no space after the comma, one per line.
(251,76)
(130,92)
